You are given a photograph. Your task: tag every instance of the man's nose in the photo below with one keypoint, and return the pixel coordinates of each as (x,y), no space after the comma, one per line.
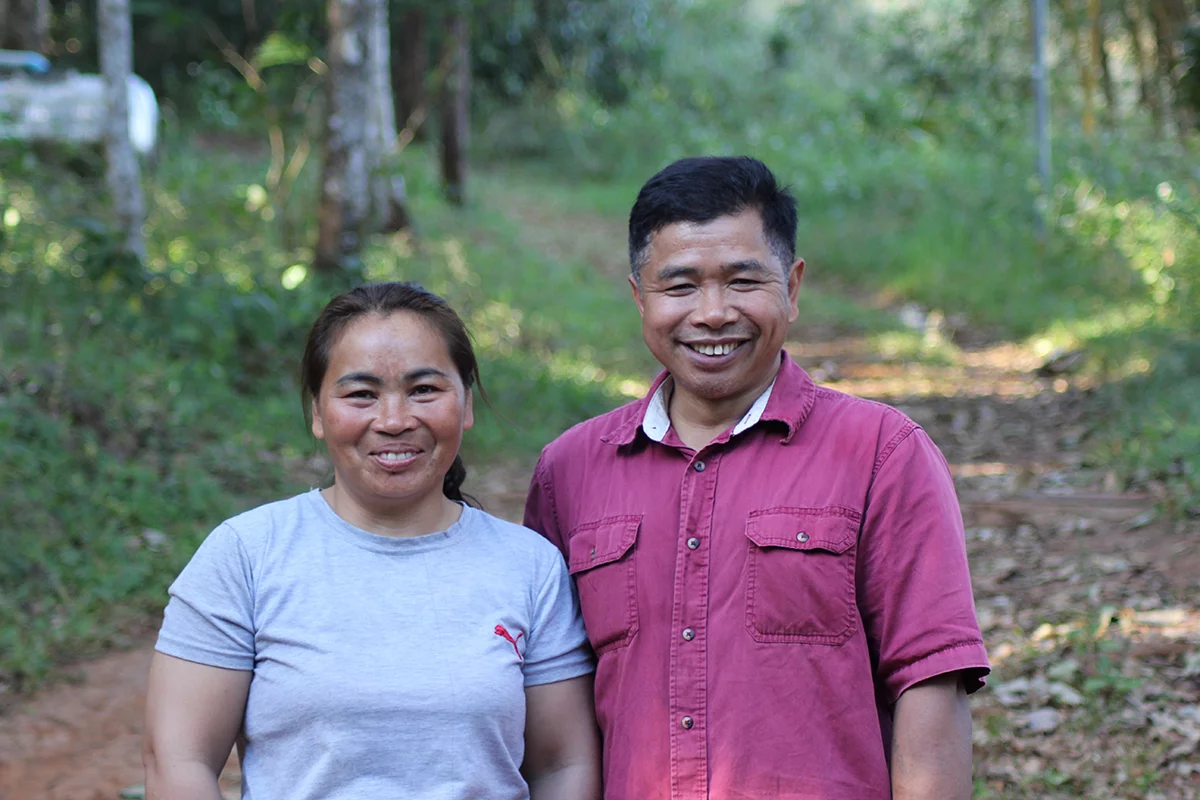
(394,415)
(714,310)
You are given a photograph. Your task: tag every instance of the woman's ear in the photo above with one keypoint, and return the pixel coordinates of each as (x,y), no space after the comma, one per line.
(468,411)
(318,427)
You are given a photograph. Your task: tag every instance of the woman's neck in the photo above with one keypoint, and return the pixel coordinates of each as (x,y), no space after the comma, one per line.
(400,519)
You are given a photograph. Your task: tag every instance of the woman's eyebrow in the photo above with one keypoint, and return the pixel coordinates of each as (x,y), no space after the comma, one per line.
(359,377)
(425,372)
(408,377)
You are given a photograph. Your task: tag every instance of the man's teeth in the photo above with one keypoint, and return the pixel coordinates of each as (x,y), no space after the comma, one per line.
(714,349)
(397,457)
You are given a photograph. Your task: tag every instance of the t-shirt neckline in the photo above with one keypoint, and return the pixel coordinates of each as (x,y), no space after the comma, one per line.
(393,545)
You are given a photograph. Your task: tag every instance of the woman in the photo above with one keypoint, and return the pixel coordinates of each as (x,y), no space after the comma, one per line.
(379,638)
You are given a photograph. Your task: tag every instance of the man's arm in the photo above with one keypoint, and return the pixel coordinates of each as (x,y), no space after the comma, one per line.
(562,743)
(193,715)
(931,741)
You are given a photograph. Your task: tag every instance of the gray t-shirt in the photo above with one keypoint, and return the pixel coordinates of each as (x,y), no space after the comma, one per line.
(383,667)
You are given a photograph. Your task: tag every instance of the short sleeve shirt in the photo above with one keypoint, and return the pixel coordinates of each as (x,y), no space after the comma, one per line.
(758,606)
(383,667)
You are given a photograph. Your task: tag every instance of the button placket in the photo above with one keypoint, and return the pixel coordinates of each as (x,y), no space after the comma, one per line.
(688,695)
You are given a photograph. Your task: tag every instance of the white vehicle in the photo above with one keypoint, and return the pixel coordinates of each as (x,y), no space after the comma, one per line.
(37,103)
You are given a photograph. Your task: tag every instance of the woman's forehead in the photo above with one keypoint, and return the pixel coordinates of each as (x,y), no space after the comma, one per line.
(400,335)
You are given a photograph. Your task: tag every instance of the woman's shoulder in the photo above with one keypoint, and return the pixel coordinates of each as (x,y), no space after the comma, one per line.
(510,536)
(270,520)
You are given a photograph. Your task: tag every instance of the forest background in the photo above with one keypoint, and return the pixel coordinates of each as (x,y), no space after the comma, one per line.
(142,400)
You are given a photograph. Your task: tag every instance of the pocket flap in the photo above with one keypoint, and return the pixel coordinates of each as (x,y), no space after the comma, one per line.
(833,529)
(601,542)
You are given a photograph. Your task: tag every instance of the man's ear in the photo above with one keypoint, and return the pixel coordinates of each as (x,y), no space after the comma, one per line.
(795,275)
(637,294)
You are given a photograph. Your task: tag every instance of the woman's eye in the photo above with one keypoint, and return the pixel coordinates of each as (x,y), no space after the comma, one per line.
(424,389)
(361,394)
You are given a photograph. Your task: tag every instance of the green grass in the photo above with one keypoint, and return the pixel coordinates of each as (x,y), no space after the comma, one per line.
(139,406)
(920,192)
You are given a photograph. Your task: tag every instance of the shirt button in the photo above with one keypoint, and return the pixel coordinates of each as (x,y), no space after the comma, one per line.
(688,634)
(686,722)
(699,466)
(801,537)
(693,543)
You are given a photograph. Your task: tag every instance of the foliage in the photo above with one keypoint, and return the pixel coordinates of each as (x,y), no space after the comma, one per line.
(140,405)
(523,46)
(905,138)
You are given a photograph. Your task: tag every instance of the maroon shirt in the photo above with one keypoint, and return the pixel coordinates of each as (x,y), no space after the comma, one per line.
(757,607)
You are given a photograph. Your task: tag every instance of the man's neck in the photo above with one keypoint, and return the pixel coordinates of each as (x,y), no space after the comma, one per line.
(697,421)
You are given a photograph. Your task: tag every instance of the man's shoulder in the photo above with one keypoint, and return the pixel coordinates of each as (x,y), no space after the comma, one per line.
(603,431)
(848,410)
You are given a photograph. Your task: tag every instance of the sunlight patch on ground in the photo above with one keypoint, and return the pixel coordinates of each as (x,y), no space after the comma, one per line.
(854,365)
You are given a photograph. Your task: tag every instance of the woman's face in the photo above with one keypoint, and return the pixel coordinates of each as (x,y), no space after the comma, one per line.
(392,410)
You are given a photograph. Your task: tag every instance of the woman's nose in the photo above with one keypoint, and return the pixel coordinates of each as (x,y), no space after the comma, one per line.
(394,416)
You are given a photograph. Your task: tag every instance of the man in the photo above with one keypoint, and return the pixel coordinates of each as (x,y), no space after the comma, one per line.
(773,575)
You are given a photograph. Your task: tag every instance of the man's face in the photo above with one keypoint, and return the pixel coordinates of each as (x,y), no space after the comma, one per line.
(716,303)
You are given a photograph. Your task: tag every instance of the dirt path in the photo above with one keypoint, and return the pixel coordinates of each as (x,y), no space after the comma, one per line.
(80,739)
(1088,604)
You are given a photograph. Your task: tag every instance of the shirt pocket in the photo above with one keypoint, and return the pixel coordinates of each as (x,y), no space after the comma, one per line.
(602,560)
(800,575)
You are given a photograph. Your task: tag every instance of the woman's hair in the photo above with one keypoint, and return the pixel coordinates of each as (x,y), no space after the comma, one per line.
(386,299)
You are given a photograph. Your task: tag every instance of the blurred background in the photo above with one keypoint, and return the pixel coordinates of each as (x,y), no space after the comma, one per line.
(1024,285)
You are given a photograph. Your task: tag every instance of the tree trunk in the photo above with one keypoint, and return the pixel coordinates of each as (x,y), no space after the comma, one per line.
(1087,76)
(456,90)
(124,181)
(1148,91)
(410,63)
(1169,17)
(25,25)
(388,200)
(1100,60)
(343,211)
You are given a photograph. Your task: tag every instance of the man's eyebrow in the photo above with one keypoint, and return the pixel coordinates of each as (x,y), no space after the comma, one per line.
(747,265)
(674,273)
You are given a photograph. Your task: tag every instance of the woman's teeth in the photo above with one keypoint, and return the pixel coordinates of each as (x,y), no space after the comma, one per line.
(397,457)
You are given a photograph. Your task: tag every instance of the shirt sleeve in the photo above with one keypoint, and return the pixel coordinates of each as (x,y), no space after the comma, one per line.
(914,586)
(540,512)
(558,648)
(209,618)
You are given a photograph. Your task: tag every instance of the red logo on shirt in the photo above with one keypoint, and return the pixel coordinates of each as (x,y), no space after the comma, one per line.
(503,631)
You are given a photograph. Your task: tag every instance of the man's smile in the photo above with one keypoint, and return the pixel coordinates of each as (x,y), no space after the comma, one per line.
(719,349)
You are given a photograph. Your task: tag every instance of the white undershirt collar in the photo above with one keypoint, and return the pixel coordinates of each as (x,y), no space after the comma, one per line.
(657,421)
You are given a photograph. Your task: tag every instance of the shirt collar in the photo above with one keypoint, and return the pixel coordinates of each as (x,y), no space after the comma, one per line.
(788,400)
(657,420)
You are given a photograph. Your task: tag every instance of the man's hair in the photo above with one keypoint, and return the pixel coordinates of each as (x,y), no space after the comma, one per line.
(700,190)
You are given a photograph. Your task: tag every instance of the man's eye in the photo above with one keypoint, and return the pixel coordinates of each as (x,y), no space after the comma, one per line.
(746,282)
(679,288)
